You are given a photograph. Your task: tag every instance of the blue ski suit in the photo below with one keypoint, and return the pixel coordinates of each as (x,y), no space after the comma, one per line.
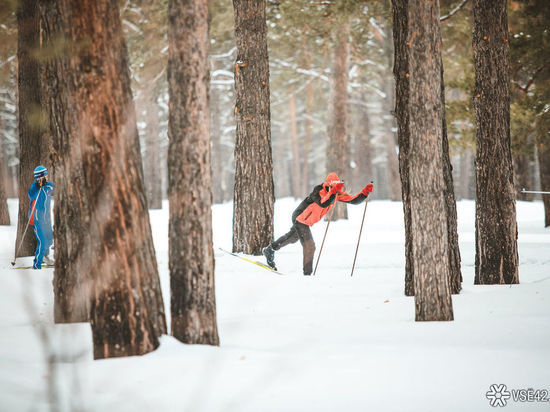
(41,221)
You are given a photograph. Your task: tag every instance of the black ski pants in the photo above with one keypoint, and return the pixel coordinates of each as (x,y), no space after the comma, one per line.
(300,232)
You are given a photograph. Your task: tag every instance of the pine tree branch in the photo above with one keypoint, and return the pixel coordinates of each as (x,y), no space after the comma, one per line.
(453,11)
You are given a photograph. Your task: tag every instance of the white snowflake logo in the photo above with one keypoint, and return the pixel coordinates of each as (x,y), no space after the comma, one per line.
(498,395)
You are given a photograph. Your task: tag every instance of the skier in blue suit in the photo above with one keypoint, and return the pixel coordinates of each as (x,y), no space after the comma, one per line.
(40,195)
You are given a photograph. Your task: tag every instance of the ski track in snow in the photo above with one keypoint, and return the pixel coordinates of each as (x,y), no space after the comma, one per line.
(295,343)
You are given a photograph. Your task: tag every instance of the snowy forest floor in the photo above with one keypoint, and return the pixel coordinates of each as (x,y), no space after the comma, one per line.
(295,343)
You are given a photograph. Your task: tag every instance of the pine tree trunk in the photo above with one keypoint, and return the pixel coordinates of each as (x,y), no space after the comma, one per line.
(296,170)
(193,302)
(543,150)
(522,176)
(4,211)
(455,274)
(307,144)
(217,163)
(33,149)
(337,145)
(152,162)
(496,228)
(254,194)
(465,182)
(71,283)
(428,212)
(126,310)
(401,74)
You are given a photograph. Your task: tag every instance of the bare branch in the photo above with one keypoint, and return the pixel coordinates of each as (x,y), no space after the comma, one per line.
(453,11)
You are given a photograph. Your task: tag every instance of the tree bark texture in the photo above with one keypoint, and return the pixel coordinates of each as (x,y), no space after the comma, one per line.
(401,74)
(429,222)
(126,311)
(33,147)
(496,259)
(455,274)
(71,282)
(191,255)
(254,192)
(337,145)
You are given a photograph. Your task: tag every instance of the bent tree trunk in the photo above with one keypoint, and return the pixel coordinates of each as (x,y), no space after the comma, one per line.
(432,294)
(496,259)
(33,149)
(191,255)
(254,192)
(126,311)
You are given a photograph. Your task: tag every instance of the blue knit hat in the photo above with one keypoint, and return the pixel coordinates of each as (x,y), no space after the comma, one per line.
(40,171)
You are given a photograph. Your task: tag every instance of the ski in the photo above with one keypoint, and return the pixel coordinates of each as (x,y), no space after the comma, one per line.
(260,264)
(30,267)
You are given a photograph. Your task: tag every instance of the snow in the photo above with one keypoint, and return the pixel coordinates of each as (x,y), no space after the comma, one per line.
(295,343)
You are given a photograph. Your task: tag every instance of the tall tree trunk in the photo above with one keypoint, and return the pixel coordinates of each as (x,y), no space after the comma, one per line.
(33,149)
(522,176)
(191,255)
(401,74)
(363,151)
(543,150)
(254,194)
(429,223)
(496,259)
(337,145)
(309,127)
(216,155)
(4,211)
(465,182)
(455,275)
(296,171)
(153,181)
(71,282)
(126,311)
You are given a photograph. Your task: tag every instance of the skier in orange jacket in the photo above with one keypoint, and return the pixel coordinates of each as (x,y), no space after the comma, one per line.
(310,211)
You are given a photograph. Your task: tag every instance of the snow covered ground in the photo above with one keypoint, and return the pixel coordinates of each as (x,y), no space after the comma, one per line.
(295,343)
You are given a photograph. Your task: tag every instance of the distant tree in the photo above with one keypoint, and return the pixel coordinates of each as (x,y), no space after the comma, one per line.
(496,259)
(191,255)
(428,211)
(33,148)
(337,146)
(254,192)
(4,211)
(71,282)
(126,307)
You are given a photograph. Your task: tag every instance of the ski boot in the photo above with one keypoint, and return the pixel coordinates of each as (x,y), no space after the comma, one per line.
(269,254)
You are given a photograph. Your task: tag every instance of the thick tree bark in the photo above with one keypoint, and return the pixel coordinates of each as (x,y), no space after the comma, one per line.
(337,145)
(401,74)
(455,274)
(33,148)
(71,282)
(126,311)
(193,302)
(429,222)
(296,170)
(254,194)
(496,259)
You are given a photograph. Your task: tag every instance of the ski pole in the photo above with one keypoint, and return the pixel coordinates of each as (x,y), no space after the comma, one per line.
(535,192)
(323,243)
(25,231)
(360,231)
